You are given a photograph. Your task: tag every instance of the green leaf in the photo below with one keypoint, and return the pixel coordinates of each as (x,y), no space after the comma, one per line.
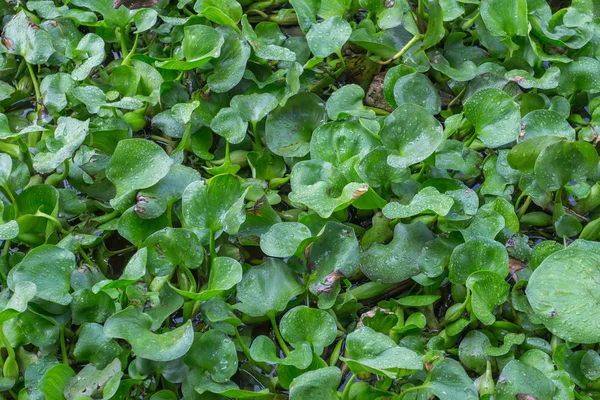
(145,19)
(526,80)
(348,101)
(320,186)
(417,89)
(22,37)
(24,292)
(374,352)
(215,205)
(49,267)
(265,290)
(91,382)
(505,18)
(288,129)
(478,254)
(230,66)
(215,353)
(302,324)
(68,136)
(332,257)
(560,292)
(229,124)
(518,378)
(449,380)
(328,37)
(200,44)
(590,365)
(263,350)
(427,200)
(435,27)
(89,54)
(412,134)
(133,325)
(495,115)
(263,48)
(282,239)
(546,123)
(321,384)
(53,383)
(374,169)
(488,290)
(562,162)
(306,10)
(254,107)
(137,164)
(396,261)
(579,75)
(95,347)
(222,12)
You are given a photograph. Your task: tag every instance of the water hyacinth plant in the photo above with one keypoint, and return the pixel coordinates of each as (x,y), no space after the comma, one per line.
(303,199)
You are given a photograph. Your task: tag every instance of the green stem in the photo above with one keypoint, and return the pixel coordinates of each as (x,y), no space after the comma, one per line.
(457,98)
(257,12)
(280,340)
(227,156)
(55,179)
(346,392)
(50,218)
(106,217)
(342,67)
(12,199)
(524,208)
(6,343)
(403,50)
(63,346)
(190,277)
(185,139)
(36,87)
(123,40)
(212,247)
(169,212)
(264,366)
(412,389)
(127,59)
(379,111)
(11,149)
(162,139)
(257,142)
(85,257)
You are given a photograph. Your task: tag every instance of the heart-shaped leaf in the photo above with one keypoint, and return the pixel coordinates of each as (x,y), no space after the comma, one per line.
(495,116)
(371,351)
(265,290)
(133,325)
(411,134)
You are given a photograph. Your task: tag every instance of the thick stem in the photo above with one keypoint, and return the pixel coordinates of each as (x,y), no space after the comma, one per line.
(85,257)
(190,277)
(127,59)
(412,389)
(36,87)
(280,340)
(122,30)
(212,247)
(524,208)
(12,199)
(63,346)
(264,366)
(403,50)
(185,139)
(4,341)
(346,392)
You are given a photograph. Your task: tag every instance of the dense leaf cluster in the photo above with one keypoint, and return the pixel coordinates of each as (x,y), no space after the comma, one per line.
(303,199)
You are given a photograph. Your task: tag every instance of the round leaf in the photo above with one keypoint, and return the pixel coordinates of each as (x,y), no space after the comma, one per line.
(412,134)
